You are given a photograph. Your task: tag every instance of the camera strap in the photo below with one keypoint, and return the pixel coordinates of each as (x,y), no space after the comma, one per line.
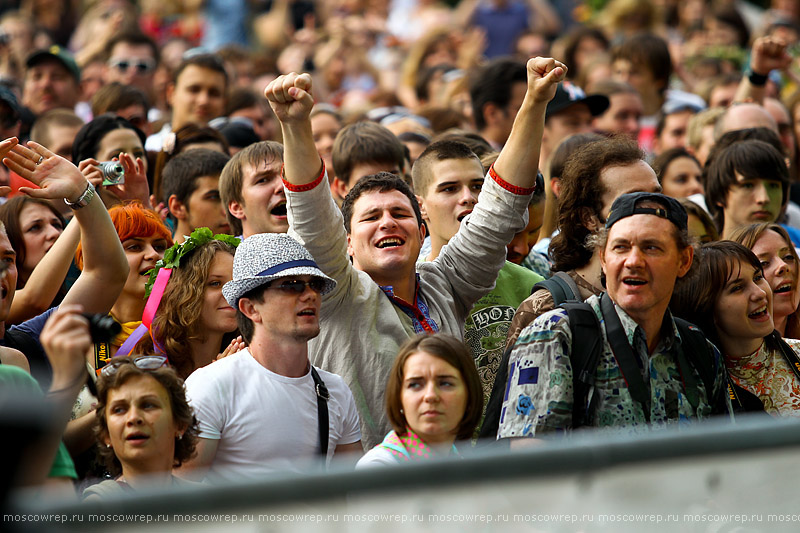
(102,354)
(322,410)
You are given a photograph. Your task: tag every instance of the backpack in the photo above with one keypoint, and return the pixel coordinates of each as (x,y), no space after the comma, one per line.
(587,343)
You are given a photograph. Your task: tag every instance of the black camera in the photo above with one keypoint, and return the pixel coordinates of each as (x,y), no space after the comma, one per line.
(102,327)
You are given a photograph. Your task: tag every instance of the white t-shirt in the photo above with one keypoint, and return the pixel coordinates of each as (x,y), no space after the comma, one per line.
(266,422)
(378,456)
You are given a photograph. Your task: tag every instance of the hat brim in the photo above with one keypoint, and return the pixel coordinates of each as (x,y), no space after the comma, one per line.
(235,289)
(597,104)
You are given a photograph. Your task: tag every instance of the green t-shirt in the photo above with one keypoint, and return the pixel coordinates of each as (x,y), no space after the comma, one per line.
(487,324)
(12,377)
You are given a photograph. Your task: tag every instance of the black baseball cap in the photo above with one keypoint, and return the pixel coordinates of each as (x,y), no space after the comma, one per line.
(628,205)
(568,94)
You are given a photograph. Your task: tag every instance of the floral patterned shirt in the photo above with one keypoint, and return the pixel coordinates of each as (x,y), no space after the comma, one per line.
(538,397)
(767,374)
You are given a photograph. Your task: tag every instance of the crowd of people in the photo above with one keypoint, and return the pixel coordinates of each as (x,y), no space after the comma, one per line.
(245,238)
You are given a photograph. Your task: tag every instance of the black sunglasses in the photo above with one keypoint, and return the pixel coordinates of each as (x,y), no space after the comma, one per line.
(144,362)
(142,66)
(298,286)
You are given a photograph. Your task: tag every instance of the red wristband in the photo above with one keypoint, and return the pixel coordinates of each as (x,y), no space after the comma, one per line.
(522,191)
(306,187)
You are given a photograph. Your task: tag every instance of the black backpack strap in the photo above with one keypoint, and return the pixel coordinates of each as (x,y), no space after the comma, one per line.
(623,353)
(561,287)
(491,420)
(587,344)
(322,410)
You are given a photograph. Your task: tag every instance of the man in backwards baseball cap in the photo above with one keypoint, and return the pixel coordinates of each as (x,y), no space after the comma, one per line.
(644,374)
(266,409)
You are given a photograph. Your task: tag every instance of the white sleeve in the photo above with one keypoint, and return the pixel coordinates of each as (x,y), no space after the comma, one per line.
(351,425)
(205,396)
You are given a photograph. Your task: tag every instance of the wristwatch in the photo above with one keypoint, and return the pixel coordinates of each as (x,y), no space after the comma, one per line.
(84,199)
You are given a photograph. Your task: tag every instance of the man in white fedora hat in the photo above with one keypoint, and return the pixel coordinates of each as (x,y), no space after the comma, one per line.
(265,408)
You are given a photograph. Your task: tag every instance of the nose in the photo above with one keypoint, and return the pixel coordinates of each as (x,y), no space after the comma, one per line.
(151,253)
(782,267)
(52,233)
(517,249)
(431,393)
(134,416)
(760,194)
(635,258)
(387,220)
(467,197)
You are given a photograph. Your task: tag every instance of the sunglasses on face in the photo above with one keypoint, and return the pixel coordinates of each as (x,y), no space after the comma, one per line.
(144,362)
(142,66)
(298,286)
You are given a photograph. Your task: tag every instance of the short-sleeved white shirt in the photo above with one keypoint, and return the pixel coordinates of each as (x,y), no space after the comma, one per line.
(266,422)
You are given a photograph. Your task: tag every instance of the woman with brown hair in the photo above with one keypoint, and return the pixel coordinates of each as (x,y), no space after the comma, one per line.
(145,425)
(773,247)
(433,398)
(194,322)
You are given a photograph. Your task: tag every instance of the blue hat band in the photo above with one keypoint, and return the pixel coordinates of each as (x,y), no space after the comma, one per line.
(286,266)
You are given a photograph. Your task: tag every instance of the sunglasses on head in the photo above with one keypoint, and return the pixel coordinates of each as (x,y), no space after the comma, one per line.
(142,66)
(298,286)
(143,362)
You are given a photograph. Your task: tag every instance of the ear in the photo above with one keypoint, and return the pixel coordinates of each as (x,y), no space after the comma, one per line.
(349,246)
(249,310)
(237,210)
(339,188)
(422,209)
(177,208)
(589,219)
(555,186)
(687,256)
(422,232)
(492,113)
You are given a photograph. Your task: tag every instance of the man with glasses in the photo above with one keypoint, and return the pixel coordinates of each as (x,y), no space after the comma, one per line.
(132,60)
(265,408)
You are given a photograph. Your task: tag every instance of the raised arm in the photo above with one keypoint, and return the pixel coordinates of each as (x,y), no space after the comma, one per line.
(46,278)
(518,162)
(291,100)
(105,266)
(768,54)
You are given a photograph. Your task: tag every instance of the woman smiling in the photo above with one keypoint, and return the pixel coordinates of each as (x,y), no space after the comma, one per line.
(731,301)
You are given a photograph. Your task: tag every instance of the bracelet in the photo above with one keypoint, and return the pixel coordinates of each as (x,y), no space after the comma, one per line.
(757,80)
(84,199)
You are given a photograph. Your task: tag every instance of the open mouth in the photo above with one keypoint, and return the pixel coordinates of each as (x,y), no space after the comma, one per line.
(307,312)
(136,437)
(463,215)
(634,281)
(390,242)
(761,312)
(783,288)
(279,210)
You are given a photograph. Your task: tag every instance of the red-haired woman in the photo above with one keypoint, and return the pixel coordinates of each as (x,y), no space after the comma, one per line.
(144,238)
